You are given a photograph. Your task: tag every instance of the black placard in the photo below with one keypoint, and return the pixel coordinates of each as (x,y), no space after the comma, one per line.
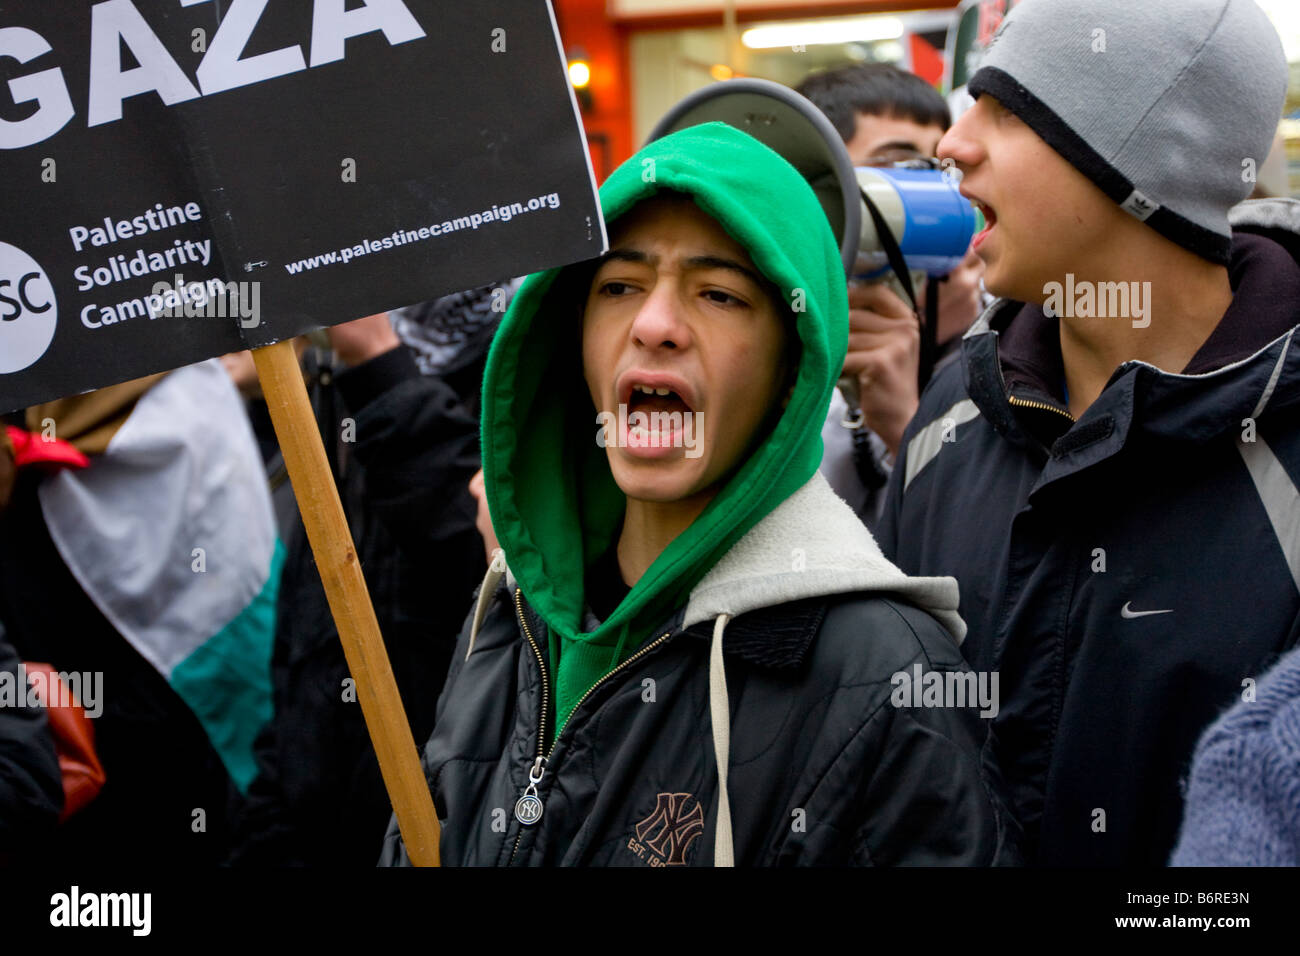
(296,163)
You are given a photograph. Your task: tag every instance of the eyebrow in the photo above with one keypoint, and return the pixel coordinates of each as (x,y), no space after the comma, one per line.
(896,144)
(693,262)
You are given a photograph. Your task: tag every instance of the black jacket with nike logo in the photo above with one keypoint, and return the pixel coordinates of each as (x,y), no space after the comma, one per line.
(1129,575)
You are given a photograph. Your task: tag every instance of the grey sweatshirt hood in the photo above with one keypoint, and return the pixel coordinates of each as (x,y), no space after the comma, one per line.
(813,545)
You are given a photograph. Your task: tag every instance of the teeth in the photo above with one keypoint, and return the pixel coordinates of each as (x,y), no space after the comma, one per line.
(644,435)
(651,390)
(662,391)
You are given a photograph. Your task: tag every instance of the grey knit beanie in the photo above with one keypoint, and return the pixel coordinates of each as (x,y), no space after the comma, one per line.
(1167,105)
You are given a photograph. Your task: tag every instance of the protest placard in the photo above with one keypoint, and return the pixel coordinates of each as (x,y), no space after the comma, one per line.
(186,178)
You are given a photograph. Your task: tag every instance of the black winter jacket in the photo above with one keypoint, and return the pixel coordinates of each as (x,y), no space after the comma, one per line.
(31,786)
(1129,574)
(793,701)
(319,798)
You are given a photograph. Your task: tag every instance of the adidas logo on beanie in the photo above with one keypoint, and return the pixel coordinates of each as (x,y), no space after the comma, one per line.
(1163,104)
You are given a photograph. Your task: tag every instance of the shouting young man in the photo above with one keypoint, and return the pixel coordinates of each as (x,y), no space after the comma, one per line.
(1112,475)
(691,651)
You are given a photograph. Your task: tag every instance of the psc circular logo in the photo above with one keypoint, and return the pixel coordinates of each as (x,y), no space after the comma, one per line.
(28,312)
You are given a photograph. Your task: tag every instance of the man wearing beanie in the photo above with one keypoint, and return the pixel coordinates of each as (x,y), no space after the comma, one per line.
(686,652)
(1111,474)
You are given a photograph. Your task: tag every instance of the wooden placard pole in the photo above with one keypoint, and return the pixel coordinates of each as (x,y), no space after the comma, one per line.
(349,601)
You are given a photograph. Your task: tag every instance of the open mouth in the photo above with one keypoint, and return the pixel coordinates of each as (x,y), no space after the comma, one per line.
(656,417)
(657,414)
(990,220)
(651,399)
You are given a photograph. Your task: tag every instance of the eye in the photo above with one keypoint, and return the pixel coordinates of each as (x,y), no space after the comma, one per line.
(724,298)
(614,288)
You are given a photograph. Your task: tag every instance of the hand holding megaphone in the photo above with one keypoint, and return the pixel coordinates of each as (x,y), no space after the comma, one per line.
(880,369)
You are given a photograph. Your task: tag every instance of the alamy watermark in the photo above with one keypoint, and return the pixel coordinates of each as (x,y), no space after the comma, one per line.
(209,298)
(916,688)
(130,910)
(653,429)
(212,298)
(1099,300)
(18,688)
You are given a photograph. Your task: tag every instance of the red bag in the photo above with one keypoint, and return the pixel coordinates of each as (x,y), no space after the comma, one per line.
(74,742)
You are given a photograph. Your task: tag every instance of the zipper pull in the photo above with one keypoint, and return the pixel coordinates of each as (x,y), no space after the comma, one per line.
(528,808)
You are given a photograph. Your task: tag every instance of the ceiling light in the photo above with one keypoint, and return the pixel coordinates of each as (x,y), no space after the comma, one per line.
(818,32)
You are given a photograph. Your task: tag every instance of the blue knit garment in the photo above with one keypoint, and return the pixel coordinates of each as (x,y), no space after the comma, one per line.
(1243,796)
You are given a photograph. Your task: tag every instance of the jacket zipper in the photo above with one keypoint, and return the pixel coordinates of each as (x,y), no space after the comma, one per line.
(538,769)
(1012,399)
(1028,403)
(546,682)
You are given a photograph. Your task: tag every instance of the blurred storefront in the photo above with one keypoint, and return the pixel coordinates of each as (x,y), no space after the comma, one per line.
(1285,166)
(633,59)
(639,57)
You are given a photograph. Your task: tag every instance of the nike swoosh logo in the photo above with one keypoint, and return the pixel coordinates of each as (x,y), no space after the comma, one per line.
(1128,613)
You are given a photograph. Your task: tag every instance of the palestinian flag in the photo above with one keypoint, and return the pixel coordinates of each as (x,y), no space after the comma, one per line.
(170,532)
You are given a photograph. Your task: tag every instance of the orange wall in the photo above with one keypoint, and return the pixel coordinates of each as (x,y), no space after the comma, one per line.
(608,119)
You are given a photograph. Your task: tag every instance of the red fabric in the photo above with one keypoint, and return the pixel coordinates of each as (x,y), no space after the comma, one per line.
(927,62)
(48,453)
(74,742)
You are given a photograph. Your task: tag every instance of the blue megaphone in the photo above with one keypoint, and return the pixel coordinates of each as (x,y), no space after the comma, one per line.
(929,219)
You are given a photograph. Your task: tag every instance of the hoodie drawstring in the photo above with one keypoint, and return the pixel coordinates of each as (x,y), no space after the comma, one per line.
(618,648)
(495,572)
(720,717)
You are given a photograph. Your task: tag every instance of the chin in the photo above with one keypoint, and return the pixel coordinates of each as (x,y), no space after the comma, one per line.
(995,282)
(659,482)
(656,496)
(1000,283)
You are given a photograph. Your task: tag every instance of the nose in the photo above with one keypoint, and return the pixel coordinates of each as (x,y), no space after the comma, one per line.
(960,145)
(660,322)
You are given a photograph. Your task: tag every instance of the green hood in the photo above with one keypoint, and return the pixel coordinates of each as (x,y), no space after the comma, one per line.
(555,506)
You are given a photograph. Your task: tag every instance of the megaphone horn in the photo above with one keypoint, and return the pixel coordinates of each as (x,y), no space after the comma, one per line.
(788,123)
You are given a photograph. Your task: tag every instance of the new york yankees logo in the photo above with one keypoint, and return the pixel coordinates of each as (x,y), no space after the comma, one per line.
(668,832)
